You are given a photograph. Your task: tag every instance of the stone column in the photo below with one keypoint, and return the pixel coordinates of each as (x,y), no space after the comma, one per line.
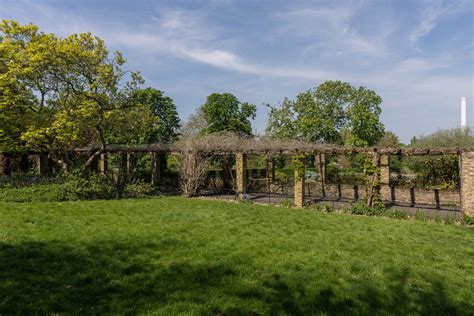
(467,183)
(240,174)
(155,168)
(385,192)
(299,187)
(320,164)
(103,163)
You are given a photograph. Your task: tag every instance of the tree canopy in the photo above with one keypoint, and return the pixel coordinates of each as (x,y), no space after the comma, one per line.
(166,127)
(69,92)
(223,112)
(334,112)
(389,139)
(455,137)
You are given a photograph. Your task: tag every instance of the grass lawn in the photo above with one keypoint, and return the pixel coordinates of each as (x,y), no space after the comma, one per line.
(174,255)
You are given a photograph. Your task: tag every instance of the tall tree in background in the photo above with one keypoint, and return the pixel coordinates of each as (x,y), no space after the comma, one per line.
(225,113)
(389,139)
(167,124)
(76,92)
(195,124)
(334,112)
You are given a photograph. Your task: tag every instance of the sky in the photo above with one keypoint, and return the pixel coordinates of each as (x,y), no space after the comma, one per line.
(417,55)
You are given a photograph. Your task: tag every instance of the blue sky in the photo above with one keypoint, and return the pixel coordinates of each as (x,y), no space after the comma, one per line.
(418,55)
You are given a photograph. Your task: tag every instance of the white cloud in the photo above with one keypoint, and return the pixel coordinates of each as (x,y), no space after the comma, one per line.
(429,20)
(432,15)
(330,32)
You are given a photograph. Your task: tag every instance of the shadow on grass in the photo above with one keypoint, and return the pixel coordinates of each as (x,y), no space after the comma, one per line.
(51,277)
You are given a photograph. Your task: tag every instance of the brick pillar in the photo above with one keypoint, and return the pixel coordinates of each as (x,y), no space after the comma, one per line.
(155,168)
(103,163)
(4,165)
(240,174)
(40,163)
(320,164)
(299,188)
(467,183)
(385,192)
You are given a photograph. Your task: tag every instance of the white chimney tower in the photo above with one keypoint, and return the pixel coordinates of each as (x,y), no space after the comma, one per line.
(463,112)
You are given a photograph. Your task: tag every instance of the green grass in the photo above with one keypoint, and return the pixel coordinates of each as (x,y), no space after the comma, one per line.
(174,255)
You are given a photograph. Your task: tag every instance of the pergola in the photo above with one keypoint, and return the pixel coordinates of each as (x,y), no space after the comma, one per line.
(241,147)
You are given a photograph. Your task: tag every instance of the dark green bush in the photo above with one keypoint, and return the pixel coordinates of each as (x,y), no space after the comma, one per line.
(33,193)
(138,189)
(361,208)
(396,214)
(467,220)
(24,180)
(91,187)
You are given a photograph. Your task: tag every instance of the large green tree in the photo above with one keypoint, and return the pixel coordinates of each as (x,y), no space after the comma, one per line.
(334,112)
(167,125)
(223,112)
(71,90)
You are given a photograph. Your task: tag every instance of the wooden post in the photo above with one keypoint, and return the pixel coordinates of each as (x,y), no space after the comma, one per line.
(385,192)
(299,186)
(4,164)
(240,174)
(467,183)
(103,163)
(155,168)
(129,164)
(273,169)
(123,168)
(320,163)
(40,163)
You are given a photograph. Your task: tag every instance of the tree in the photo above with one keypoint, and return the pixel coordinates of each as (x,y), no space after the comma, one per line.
(389,139)
(282,120)
(443,170)
(455,137)
(162,107)
(77,93)
(334,112)
(225,113)
(25,80)
(195,124)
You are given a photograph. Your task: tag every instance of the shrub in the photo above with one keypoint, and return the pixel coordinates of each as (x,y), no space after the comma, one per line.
(361,208)
(396,214)
(468,220)
(323,208)
(139,189)
(90,187)
(34,193)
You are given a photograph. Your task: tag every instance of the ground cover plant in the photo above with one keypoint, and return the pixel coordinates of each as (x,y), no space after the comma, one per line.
(173,255)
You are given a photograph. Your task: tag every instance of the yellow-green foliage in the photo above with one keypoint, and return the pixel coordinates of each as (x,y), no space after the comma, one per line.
(65,92)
